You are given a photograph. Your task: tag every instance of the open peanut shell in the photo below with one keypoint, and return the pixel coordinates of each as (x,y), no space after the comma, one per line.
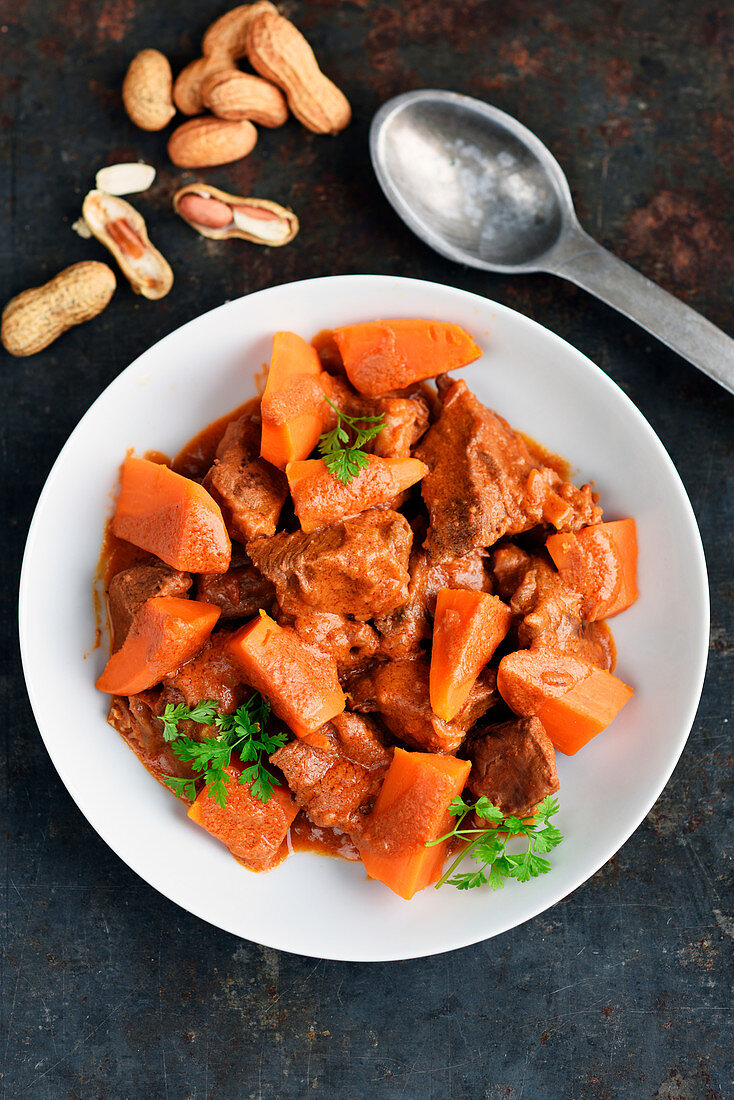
(121,229)
(219,215)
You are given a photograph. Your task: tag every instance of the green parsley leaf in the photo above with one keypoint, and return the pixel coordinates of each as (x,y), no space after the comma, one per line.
(343,456)
(183,788)
(548,838)
(547,808)
(242,733)
(488,846)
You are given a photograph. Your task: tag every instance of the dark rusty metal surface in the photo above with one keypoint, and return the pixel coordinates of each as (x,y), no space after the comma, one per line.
(625,989)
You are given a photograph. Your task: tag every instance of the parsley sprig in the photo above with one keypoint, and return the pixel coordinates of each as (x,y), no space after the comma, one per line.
(488,846)
(243,733)
(342,455)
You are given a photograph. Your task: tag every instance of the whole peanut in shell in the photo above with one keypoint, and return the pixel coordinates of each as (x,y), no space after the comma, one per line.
(236,95)
(279,52)
(208,141)
(34,319)
(222,45)
(146,90)
(228,34)
(187,91)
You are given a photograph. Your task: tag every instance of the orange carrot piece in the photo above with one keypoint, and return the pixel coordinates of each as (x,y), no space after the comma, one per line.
(319,498)
(303,689)
(601,563)
(165,633)
(254,831)
(171,517)
(293,406)
(571,720)
(388,355)
(467,628)
(573,699)
(412,808)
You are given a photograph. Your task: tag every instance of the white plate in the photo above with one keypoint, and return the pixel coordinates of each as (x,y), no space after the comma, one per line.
(314,905)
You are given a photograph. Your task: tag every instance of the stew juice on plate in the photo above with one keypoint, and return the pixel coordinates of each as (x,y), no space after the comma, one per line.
(362,607)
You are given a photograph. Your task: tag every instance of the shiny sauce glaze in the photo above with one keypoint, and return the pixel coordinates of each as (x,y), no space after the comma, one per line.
(196,456)
(307,837)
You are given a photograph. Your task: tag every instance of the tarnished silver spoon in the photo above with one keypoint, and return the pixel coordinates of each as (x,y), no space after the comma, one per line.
(481,189)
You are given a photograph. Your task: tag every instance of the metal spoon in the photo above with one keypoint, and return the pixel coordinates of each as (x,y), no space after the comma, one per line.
(481,189)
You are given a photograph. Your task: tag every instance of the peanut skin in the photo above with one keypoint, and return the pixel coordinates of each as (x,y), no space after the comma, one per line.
(34,319)
(210,213)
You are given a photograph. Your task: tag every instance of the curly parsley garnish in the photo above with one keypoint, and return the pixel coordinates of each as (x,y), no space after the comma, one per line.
(343,456)
(489,846)
(242,732)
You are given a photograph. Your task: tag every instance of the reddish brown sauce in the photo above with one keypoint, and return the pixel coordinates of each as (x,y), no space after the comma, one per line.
(114,556)
(157,456)
(327,351)
(556,462)
(307,837)
(196,456)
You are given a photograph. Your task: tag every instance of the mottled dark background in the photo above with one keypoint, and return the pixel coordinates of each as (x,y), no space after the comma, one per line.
(625,989)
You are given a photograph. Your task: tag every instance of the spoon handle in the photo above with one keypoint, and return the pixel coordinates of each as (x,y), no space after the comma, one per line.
(582,260)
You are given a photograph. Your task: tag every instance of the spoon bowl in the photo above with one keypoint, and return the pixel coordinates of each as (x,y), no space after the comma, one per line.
(481,189)
(470,180)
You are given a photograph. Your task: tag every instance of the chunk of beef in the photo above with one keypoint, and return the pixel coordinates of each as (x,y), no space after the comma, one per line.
(136,720)
(248,489)
(358,567)
(398,692)
(513,764)
(349,642)
(211,674)
(361,740)
(549,609)
(509,566)
(254,831)
(406,628)
(129,589)
(337,785)
(240,592)
(484,483)
(406,418)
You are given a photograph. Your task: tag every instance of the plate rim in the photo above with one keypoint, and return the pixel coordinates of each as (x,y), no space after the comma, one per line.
(458,942)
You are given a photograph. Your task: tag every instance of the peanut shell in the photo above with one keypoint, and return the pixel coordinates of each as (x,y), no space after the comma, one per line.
(34,319)
(208,141)
(146,90)
(187,89)
(287,219)
(279,52)
(121,229)
(228,33)
(236,95)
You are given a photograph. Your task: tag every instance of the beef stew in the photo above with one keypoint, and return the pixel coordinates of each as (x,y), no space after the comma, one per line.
(332,626)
